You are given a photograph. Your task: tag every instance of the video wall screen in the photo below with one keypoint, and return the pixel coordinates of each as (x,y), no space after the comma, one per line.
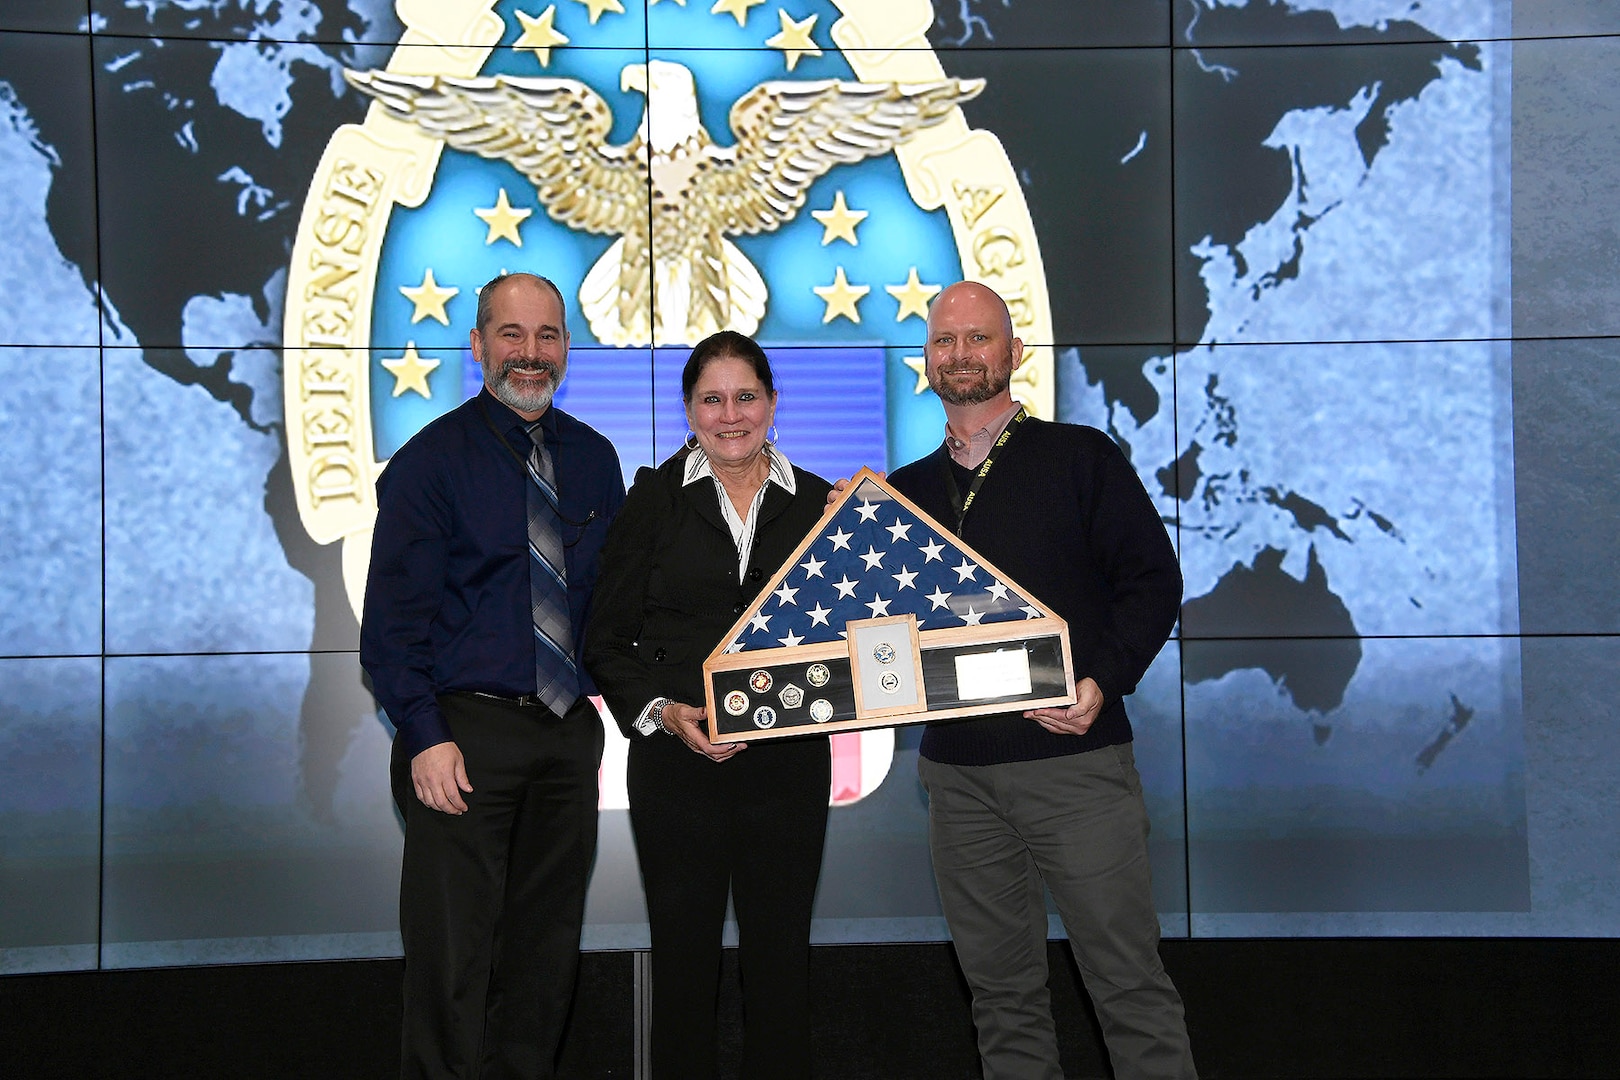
(1333,272)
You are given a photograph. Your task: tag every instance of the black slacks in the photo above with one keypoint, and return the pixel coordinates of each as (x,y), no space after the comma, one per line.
(752,827)
(491,901)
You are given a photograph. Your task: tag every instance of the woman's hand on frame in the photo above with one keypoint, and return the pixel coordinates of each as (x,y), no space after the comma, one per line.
(689,724)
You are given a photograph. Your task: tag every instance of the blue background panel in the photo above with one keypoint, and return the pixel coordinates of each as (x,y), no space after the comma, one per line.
(50,813)
(246,817)
(50,502)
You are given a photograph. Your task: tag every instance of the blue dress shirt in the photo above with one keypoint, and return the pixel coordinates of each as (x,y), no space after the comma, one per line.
(447,597)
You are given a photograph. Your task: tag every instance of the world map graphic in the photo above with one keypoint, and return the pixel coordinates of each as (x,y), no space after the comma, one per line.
(1303,359)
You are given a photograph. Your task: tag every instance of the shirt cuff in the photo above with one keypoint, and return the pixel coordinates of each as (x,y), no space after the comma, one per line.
(644,723)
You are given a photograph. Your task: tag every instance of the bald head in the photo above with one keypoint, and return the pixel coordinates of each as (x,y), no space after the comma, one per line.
(971,351)
(981,301)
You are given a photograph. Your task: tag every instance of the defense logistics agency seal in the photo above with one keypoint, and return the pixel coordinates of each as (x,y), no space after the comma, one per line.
(736,703)
(396,235)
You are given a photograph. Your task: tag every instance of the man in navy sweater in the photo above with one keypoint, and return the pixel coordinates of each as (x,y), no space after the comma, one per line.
(1050,795)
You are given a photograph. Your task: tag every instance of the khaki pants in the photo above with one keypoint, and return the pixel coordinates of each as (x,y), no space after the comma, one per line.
(1078,824)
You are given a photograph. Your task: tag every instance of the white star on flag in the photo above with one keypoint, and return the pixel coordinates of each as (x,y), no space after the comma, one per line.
(812,567)
(965,571)
(761,622)
(941,599)
(1030,612)
(784,595)
(905,578)
(931,550)
(998,590)
(846,588)
(873,558)
(898,530)
(972,617)
(868,510)
(791,640)
(818,615)
(878,605)
(840,540)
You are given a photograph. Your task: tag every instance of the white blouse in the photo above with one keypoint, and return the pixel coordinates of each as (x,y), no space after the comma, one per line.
(742,529)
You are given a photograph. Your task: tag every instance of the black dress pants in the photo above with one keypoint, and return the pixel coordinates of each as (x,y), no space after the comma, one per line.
(491,901)
(753,827)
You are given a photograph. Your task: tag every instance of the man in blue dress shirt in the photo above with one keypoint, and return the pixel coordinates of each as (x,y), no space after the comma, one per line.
(497,788)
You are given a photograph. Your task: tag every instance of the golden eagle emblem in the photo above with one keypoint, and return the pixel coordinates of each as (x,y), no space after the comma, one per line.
(670,194)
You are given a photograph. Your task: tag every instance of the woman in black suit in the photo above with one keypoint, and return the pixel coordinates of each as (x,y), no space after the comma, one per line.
(696,540)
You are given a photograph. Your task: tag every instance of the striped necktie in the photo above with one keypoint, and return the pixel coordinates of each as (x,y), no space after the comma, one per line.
(557,680)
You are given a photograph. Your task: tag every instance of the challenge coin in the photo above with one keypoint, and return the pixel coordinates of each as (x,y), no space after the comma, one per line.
(764,717)
(889,682)
(817,674)
(736,703)
(821,710)
(791,696)
(760,681)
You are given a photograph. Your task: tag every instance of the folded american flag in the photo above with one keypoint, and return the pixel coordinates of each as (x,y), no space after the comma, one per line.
(878,556)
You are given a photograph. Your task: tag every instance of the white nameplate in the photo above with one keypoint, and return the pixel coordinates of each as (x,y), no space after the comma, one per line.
(1003,673)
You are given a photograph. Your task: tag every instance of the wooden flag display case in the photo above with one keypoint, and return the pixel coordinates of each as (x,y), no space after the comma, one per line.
(881,617)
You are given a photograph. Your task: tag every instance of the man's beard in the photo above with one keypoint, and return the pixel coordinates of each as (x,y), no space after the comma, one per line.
(525,398)
(992,383)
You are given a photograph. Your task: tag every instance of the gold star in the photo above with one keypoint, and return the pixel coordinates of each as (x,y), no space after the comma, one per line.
(840,298)
(738,9)
(429,298)
(538,35)
(599,6)
(794,40)
(839,222)
(503,220)
(411,371)
(913,296)
(918,364)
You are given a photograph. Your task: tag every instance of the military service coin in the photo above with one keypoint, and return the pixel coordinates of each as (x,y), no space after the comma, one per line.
(736,703)
(792,697)
(817,674)
(821,710)
(889,682)
(764,717)
(760,681)
(884,653)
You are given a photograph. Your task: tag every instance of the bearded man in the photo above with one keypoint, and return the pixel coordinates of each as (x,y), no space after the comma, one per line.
(489,524)
(1049,796)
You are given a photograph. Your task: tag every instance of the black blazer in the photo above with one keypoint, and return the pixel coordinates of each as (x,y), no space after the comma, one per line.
(667,591)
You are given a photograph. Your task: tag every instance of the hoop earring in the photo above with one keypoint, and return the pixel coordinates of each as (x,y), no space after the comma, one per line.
(771,435)
(690,441)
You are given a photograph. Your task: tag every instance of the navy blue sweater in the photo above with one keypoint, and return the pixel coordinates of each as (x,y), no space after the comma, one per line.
(1063,514)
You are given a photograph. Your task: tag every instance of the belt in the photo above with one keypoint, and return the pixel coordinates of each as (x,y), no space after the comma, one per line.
(525,700)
